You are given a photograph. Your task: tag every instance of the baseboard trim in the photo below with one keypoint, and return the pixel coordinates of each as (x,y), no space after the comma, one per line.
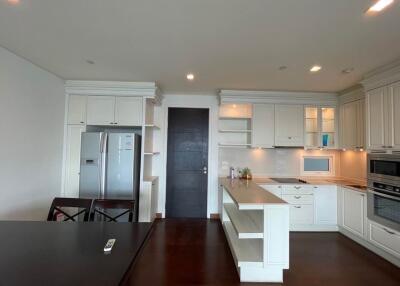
(214,216)
(369,246)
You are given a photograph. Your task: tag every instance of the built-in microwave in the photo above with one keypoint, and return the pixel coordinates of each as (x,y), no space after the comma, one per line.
(384,166)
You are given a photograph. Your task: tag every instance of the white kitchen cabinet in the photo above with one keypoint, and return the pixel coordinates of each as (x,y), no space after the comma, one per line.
(325,204)
(301,215)
(128,111)
(274,189)
(72,162)
(377,119)
(320,127)
(289,125)
(394,116)
(115,111)
(353,211)
(385,238)
(77,109)
(353,124)
(263,126)
(100,110)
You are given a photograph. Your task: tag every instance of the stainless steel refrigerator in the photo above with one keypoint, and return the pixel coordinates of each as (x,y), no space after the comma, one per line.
(110,166)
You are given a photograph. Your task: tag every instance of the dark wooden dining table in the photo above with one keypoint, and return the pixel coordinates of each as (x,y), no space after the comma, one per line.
(63,253)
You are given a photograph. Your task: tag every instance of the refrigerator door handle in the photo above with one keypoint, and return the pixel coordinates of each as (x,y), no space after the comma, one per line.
(103,151)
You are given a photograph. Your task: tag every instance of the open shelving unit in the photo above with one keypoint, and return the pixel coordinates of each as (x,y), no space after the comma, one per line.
(246,223)
(235,125)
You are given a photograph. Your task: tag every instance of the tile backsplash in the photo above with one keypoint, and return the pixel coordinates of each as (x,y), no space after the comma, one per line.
(269,162)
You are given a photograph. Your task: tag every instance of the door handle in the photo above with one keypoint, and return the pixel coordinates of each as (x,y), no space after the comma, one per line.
(205,170)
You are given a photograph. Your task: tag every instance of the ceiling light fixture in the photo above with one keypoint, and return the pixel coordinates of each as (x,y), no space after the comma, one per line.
(380,5)
(190,76)
(281,68)
(90,62)
(315,68)
(13,2)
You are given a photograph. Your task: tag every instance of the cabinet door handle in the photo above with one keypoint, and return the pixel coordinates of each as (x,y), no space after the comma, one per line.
(111,123)
(289,137)
(297,187)
(297,207)
(82,122)
(297,197)
(388,231)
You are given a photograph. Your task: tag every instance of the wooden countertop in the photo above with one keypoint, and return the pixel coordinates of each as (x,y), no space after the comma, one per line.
(247,192)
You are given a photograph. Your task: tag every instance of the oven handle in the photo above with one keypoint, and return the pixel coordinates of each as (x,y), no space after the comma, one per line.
(384,195)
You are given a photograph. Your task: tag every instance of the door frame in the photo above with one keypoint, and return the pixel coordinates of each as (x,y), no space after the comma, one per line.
(212,111)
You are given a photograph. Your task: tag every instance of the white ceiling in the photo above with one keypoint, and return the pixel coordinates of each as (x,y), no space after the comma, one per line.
(230,44)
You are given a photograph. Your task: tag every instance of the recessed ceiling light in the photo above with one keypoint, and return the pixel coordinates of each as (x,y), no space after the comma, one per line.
(315,68)
(90,62)
(347,70)
(380,5)
(281,68)
(13,2)
(190,76)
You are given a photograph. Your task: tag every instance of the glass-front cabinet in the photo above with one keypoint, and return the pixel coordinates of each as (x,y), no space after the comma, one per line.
(320,127)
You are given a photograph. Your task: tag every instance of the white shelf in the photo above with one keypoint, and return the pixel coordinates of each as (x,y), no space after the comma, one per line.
(151,153)
(246,252)
(247,223)
(151,126)
(234,131)
(234,144)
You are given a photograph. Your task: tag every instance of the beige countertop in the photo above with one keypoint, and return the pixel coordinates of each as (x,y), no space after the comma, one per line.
(248,192)
(343,182)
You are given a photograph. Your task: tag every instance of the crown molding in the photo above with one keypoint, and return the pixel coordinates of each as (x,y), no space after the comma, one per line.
(382,76)
(114,88)
(284,97)
(351,94)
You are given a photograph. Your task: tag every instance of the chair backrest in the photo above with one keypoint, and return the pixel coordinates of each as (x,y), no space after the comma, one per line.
(84,206)
(100,207)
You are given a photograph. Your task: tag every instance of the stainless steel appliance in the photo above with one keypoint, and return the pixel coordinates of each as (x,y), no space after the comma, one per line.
(384,190)
(110,166)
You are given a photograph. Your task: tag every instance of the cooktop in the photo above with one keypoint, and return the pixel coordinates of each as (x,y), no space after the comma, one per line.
(289,181)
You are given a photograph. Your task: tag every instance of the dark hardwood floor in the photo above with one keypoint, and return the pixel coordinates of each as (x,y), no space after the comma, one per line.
(195,252)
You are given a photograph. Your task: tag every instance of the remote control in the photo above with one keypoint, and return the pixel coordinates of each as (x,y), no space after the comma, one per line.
(109,245)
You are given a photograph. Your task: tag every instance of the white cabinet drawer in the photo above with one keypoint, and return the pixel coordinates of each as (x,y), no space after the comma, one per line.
(301,214)
(299,199)
(297,190)
(385,238)
(274,189)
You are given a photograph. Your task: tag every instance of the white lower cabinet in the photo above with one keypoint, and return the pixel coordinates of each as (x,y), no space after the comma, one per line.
(353,211)
(72,160)
(301,215)
(385,238)
(325,205)
(274,189)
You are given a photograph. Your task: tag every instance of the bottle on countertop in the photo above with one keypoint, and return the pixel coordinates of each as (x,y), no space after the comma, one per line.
(231,173)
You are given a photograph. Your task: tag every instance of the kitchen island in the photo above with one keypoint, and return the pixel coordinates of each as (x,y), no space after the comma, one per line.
(256,224)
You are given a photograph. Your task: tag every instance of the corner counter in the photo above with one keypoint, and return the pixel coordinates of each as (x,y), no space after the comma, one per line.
(256,224)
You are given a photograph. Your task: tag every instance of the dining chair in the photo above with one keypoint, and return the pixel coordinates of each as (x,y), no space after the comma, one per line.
(110,210)
(59,204)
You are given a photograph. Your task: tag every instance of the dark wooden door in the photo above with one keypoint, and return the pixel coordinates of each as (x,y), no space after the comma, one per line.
(187,163)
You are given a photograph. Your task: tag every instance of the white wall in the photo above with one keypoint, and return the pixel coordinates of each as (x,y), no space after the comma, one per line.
(353,165)
(31,128)
(161,114)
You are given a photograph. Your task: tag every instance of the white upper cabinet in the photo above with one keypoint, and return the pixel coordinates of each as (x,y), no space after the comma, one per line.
(289,125)
(352,123)
(77,109)
(100,110)
(128,111)
(320,127)
(394,116)
(377,118)
(111,110)
(263,125)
